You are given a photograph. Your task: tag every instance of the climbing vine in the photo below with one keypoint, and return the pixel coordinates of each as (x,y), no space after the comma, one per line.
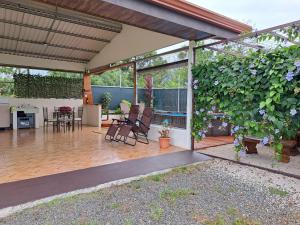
(259,95)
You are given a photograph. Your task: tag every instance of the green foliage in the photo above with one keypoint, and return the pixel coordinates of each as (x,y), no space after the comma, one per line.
(64,74)
(156,212)
(277,191)
(258,93)
(172,195)
(157,177)
(115,205)
(35,86)
(118,77)
(6,86)
(106,100)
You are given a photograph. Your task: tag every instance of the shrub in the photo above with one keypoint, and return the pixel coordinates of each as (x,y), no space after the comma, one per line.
(258,93)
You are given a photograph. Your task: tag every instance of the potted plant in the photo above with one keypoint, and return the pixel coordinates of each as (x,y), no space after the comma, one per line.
(288,143)
(106,100)
(164,139)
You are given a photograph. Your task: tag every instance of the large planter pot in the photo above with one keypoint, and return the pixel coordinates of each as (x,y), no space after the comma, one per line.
(294,151)
(287,148)
(164,142)
(298,139)
(251,143)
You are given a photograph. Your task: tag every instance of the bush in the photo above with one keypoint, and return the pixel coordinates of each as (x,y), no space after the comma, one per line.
(259,94)
(106,100)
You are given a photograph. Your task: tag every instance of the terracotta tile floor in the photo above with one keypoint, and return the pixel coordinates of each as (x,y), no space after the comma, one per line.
(33,153)
(213,141)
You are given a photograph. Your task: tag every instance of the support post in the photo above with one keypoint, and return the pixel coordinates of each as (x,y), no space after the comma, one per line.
(87,90)
(189,107)
(135,94)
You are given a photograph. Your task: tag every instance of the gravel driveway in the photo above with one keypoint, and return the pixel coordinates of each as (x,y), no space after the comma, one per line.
(213,192)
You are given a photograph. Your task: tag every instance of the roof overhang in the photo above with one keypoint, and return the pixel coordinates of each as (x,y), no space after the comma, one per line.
(78,35)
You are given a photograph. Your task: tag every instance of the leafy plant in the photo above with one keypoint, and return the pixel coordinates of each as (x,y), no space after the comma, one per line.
(156,212)
(165,131)
(37,86)
(259,94)
(106,100)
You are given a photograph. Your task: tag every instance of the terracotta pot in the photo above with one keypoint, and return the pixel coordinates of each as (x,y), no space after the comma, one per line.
(298,139)
(164,142)
(251,145)
(288,147)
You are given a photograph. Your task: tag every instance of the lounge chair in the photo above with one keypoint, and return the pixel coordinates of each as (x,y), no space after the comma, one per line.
(116,124)
(139,129)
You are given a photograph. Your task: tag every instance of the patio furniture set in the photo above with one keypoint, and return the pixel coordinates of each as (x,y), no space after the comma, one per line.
(131,127)
(63,118)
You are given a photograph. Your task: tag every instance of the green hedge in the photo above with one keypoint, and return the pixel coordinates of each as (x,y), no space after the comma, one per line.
(36,86)
(259,93)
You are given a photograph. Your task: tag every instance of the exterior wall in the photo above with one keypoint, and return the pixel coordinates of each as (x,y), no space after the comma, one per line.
(40,103)
(178,136)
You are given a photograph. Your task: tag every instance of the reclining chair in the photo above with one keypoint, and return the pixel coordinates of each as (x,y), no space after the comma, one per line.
(139,129)
(116,124)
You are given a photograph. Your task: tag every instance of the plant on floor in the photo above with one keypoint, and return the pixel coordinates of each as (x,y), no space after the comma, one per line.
(164,139)
(165,131)
(106,100)
(259,94)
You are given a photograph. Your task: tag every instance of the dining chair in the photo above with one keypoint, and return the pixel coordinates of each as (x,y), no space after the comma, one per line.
(48,120)
(79,117)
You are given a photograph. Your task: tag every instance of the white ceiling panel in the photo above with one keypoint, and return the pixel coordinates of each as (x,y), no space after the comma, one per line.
(31,48)
(83,55)
(8,44)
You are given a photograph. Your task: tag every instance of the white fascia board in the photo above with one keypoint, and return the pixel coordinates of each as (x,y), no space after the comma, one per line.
(132,41)
(40,63)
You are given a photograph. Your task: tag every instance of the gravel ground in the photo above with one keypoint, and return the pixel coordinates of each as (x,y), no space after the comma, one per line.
(213,192)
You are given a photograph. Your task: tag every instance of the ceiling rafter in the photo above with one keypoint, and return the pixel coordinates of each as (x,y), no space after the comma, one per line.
(54,31)
(45,56)
(59,16)
(51,45)
(284,38)
(254,34)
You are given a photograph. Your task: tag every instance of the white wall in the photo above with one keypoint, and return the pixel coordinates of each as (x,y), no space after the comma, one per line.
(41,102)
(178,136)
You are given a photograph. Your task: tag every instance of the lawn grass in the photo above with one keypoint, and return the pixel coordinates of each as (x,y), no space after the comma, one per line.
(156,212)
(277,191)
(172,195)
(220,220)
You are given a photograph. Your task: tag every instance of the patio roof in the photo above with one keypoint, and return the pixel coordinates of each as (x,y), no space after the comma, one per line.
(80,35)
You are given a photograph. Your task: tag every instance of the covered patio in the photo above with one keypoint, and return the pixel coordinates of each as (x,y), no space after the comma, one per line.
(90,37)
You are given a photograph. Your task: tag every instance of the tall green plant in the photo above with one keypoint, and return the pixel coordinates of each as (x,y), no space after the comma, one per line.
(259,94)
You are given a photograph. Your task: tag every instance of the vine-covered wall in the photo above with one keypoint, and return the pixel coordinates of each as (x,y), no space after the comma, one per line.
(259,94)
(34,86)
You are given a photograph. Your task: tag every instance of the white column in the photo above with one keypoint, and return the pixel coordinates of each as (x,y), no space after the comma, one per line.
(15,120)
(189,108)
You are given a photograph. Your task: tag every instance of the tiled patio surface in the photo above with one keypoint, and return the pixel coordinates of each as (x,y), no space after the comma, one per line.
(34,153)
(213,141)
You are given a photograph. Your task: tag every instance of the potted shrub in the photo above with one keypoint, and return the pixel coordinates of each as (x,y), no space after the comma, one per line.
(106,100)
(288,144)
(164,139)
